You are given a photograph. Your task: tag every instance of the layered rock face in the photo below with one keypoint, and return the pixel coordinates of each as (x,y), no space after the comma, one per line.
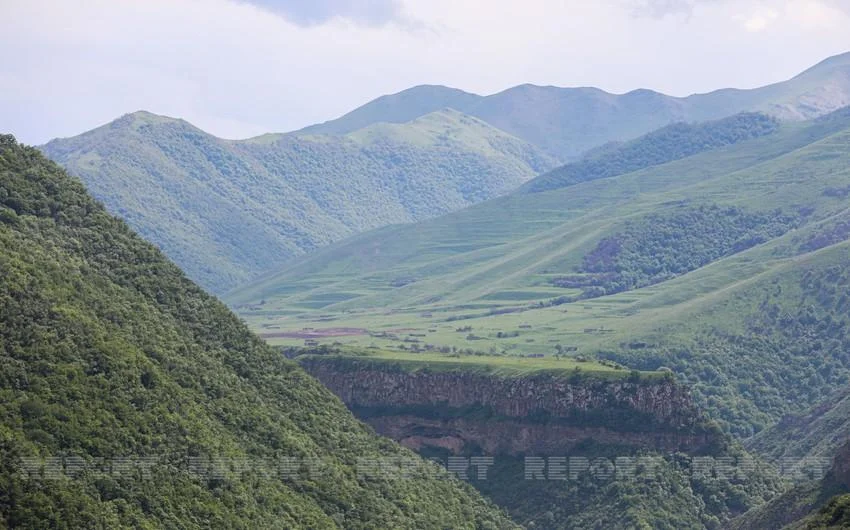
(541,414)
(517,437)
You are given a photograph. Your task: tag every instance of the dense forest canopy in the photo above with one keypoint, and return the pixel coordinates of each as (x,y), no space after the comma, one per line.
(226,211)
(108,352)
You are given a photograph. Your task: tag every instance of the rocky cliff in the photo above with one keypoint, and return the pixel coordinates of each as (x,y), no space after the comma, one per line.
(543,413)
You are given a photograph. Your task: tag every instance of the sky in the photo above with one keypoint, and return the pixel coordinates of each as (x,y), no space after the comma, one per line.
(239,68)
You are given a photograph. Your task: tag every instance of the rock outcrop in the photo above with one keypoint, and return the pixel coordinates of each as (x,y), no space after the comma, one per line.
(544,413)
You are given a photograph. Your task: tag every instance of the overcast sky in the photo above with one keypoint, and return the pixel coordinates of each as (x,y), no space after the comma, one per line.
(238,68)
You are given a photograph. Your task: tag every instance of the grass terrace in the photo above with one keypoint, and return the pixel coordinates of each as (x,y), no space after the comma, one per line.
(497,365)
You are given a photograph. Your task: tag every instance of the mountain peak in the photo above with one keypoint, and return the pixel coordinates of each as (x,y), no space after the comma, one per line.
(431,90)
(145,116)
(400,107)
(841,60)
(134,121)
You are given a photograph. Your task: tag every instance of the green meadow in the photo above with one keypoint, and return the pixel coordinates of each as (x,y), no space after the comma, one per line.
(727,267)
(482,278)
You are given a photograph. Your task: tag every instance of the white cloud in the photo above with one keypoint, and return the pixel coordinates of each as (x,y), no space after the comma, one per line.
(236,69)
(758,20)
(815,15)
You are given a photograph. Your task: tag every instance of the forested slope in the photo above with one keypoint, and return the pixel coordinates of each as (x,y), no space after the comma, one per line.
(109,354)
(225,211)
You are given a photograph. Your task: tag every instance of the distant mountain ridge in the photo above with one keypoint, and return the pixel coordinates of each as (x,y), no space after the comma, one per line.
(565,122)
(227,210)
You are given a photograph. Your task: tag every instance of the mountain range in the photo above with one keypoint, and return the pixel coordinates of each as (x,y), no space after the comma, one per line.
(227,211)
(566,122)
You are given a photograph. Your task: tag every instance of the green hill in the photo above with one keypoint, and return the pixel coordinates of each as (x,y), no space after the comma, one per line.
(566,122)
(669,143)
(670,266)
(225,211)
(110,358)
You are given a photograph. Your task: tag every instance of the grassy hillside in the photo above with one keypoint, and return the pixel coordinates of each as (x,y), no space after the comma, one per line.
(225,211)
(672,266)
(673,142)
(501,366)
(566,122)
(767,345)
(542,234)
(108,354)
